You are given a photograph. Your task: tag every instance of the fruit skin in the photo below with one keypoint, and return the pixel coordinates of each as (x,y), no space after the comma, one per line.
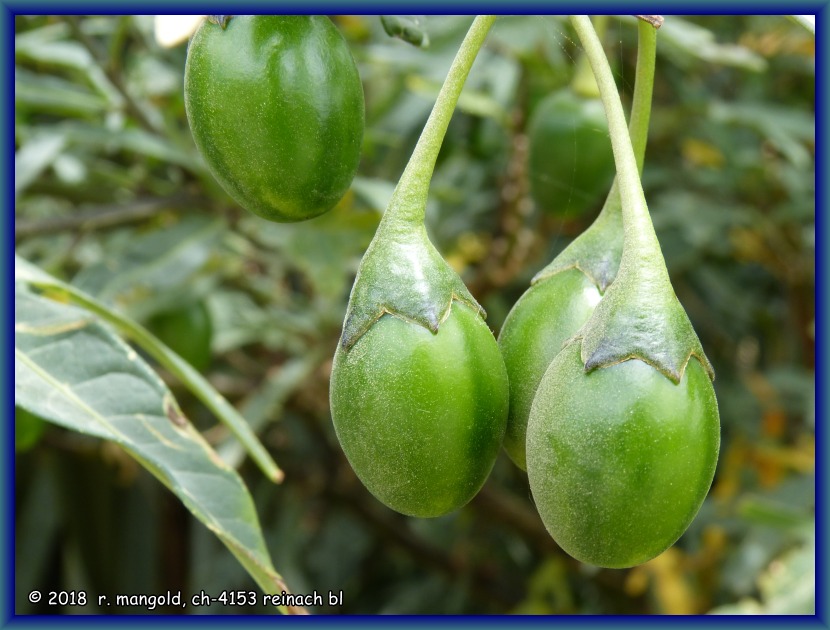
(548,314)
(187,331)
(620,459)
(276,108)
(421,415)
(571,164)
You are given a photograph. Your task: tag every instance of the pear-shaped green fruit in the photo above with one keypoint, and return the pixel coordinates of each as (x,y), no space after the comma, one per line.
(620,458)
(421,415)
(276,108)
(550,312)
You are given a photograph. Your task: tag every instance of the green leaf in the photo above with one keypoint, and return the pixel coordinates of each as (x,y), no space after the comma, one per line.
(319,247)
(155,261)
(60,54)
(110,140)
(684,41)
(73,371)
(469,102)
(49,94)
(787,586)
(807,21)
(34,157)
(25,272)
(376,193)
(786,128)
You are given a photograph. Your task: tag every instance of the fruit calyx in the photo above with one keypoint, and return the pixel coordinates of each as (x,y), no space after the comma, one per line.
(402,274)
(597,251)
(221,20)
(639,316)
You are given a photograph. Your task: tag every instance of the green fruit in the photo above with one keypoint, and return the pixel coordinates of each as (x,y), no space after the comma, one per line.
(275,104)
(620,458)
(421,415)
(187,331)
(570,161)
(550,312)
(27,429)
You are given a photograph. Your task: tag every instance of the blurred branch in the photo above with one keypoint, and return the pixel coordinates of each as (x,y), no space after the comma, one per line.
(514,239)
(499,505)
(105,216)
(395,531)
(114,77)
(343,487)
(655,20)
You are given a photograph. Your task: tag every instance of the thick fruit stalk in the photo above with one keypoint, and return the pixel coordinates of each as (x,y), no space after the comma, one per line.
(623,434)
(564,294)
(418,386)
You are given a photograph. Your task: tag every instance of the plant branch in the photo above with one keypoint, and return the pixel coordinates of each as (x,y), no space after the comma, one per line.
(583,83)
(643,89)
(104,216)
(114,78)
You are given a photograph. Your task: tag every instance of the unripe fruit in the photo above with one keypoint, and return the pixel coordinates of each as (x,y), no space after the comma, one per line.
(421,415)
(275,104)
(570,162)
(620,458)
(187,331)
(550,312)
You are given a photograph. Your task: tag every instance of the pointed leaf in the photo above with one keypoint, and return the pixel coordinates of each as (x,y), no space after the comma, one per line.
(73,371)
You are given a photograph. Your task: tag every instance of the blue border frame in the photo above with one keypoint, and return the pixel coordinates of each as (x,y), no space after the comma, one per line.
(7,12)
(821,226)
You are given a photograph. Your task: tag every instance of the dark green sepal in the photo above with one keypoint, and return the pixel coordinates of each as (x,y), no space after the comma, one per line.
(221,20)
(402,274)
(405,29)
(640,317)
(597,251)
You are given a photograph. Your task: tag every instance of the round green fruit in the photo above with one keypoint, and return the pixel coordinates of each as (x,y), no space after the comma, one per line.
(548,314)
(187,331)
(421,416)
(275,104)
(570,161)
(619,459)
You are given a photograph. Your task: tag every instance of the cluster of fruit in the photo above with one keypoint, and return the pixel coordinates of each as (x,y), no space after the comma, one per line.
(597,386)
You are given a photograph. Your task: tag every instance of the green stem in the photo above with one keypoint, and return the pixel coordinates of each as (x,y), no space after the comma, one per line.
(640,106)
(643,88)
(639,232)
(409,200)
(583,83)
(182,370)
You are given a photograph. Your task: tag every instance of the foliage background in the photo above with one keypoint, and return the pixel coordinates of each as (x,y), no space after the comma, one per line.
(112,196)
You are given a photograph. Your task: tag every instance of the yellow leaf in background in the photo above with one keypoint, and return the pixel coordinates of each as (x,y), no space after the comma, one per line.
(549,592)
(172,30)
(636,582)
(701,153)
(728,483)
(473,247)
(671,590)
